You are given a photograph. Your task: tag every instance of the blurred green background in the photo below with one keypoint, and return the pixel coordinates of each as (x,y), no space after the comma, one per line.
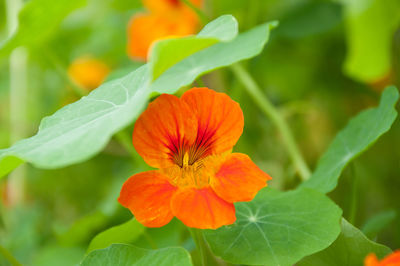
(325,62)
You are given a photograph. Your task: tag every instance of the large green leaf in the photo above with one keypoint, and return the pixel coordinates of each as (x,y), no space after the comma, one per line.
(127,255)
(125,233)
(277,228)
(37,20)
(361,132)
(349,249)
(167,53)
(80,130)
(370,26)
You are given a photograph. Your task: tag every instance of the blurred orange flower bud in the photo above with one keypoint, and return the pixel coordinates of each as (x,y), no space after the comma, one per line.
(88,72)
(166,19)
(390,260)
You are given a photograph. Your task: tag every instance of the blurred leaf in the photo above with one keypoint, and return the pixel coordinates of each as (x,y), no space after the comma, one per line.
(360,133)
(245,46)
(272,229)
(125,233)
(79,130)
(37,21)
(50,256)
(127,255)
(370,26)
(377,223)
(83,229)
(167,53)
(349,249)
(309,19)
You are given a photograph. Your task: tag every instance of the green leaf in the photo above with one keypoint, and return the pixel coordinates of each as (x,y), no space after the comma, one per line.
(127,255)
(125,233)
(277,228)
(361,132)
(370,26)
(37,20)
(82,129)
(378,222)
(245,46)
(167,53)
(349,249)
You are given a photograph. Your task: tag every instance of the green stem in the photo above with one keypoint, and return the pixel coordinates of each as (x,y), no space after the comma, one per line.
(9,257)
(198,238)
(272,113)
(204,18)
(126,141)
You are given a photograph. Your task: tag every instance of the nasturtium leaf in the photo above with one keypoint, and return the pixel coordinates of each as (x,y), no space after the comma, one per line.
(80,130)
(37,20)
(125,233)
(349,249)
(167,53)
(370,26)
(377,223)
(222,54)
(361,132)
(277,228)
(127,255)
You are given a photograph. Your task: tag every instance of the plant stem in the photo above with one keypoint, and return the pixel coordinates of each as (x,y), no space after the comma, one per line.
(198,11)
(9,257)
(198,238)
(272,113)
(126,141)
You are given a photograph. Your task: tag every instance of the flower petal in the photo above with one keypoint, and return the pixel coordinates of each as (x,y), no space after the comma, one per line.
(220,119)
(202,208)
(148,195)
(144,29)
(238,179)
(392,259)
(163,129)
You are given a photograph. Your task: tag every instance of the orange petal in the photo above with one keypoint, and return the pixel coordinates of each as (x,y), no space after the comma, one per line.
(238,179)
(371,260)
(163,6)
(392,259)
(202,208)
(163,129)
(148,195)
(220,119)
(144,29)
(88,72)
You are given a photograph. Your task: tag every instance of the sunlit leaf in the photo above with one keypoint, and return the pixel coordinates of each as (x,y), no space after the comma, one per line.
(167,53)
(37,21)
(370,26)
(361,132)
(80,130)
(349,249)
(277,228)
(127,255)
(125,233)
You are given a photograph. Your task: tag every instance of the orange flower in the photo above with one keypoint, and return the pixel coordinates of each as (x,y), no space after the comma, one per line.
(167,19)
(390,260)
(190,140)
(88,72)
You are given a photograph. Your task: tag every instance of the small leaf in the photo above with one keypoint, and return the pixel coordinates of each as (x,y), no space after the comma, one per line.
(37,20)
(378,222)
(127,255)
(277,228)
(349,249)
(222,54)
(125,233)
(167,53)
(361,132)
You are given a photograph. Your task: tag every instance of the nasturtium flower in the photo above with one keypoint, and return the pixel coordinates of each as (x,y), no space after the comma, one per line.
(166,19)
(88,72)
(390,260)
(190,141)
